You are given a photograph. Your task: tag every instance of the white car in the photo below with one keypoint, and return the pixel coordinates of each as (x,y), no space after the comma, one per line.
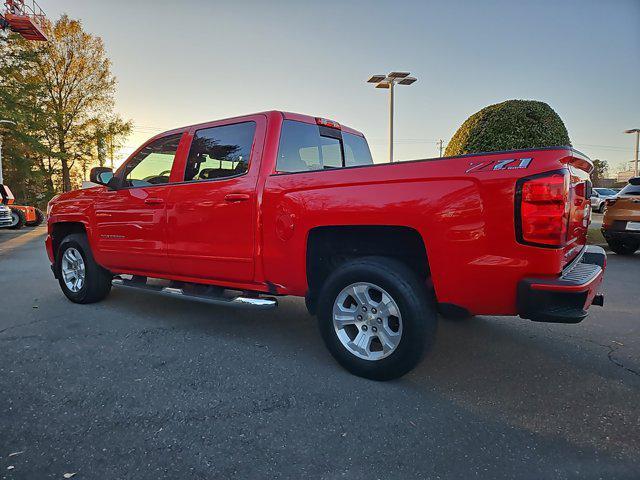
(599,196)
(5,216)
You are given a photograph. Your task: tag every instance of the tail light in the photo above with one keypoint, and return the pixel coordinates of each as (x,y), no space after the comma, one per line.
(542,209)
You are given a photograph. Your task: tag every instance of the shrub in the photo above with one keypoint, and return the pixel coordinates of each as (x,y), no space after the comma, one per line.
(510,125)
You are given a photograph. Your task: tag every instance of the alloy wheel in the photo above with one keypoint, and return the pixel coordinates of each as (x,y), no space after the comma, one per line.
(367,321)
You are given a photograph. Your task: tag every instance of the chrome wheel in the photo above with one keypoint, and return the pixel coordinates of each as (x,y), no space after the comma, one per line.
(73,270)
(367,321)
(14,219)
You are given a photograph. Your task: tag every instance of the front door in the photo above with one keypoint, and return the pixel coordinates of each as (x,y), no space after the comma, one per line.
(211,215)
(131,219)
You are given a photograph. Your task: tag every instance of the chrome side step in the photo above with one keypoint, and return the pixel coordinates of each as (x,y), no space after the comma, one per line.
(217,298)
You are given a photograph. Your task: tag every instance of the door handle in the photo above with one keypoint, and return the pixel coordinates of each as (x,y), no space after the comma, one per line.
(236,197)
(153,201)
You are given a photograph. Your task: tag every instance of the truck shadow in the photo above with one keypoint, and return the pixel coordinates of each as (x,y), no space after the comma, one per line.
(541,378)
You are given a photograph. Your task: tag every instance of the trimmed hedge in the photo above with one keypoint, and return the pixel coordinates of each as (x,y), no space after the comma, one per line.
(510,125)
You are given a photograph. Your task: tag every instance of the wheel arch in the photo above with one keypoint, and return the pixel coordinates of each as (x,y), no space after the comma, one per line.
(329,246)
(60,230)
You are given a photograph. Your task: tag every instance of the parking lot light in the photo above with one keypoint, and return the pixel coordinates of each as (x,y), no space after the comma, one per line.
(388,81)
(635,163)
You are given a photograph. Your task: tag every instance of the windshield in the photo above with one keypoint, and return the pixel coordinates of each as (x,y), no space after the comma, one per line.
(630,190)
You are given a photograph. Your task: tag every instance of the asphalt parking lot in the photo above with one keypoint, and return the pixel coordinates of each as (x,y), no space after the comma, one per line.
(141,386)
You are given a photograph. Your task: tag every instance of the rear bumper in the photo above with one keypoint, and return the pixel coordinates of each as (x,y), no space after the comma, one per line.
(567,298)
(610,234)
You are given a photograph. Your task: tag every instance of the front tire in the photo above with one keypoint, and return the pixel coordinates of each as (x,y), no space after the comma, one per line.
(376,317)
(18,219)
(81,279)
(623,247)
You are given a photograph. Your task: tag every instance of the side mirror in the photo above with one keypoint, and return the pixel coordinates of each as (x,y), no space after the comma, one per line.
(101,175)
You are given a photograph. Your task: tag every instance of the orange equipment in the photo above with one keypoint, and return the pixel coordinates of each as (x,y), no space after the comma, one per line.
(24,17)
(21,215)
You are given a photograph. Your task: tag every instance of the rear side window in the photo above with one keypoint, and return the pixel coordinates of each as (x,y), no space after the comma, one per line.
(356,150)
(220,152)
(303,148)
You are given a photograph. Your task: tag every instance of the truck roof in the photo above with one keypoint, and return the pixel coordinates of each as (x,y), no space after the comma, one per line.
(286,115)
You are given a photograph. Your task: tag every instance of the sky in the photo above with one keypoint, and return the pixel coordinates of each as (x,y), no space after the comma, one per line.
(184,62)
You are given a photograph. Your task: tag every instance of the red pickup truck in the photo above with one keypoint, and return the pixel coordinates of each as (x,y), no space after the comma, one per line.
(242,210)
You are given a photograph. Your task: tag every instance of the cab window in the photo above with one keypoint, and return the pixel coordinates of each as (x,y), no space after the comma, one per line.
(152,165)
(220,152)
(356,151)
(305,147)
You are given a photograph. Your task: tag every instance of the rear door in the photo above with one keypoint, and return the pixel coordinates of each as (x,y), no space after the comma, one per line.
(130,221)
(212,214)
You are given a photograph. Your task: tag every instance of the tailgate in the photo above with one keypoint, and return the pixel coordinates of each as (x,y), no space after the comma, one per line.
(579,205)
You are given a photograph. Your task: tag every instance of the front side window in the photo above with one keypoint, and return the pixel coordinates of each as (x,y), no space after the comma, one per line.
(152,165)
(220,152)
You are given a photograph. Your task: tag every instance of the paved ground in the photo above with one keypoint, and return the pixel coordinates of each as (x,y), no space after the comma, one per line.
(596,220)
(143,386)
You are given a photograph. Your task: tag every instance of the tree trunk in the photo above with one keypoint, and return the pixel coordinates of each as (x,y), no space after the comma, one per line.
(64,162)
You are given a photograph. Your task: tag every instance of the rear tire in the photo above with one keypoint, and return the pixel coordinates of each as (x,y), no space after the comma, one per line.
(39,219)
(18,219)
(394,317)
(81,279)
(623,247)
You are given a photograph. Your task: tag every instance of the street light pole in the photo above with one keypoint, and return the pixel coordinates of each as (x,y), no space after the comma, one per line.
(391,123)
(389,81)
(635,164)
(7,122)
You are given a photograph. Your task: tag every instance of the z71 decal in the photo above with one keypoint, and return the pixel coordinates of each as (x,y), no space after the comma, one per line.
(508,164)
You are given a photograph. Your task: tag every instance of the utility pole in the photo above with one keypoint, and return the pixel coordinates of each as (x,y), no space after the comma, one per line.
(389,81)
(6,122)
(439,142)
(635,164)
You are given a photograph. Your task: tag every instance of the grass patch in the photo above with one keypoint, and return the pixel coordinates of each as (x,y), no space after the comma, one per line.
(594,237)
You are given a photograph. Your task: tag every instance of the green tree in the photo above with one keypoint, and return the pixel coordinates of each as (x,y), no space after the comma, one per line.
(510,125)
(60,93)
(24,146)
(79,91)
(600,171)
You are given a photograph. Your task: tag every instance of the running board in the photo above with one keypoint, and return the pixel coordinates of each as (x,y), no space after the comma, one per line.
(260,303)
